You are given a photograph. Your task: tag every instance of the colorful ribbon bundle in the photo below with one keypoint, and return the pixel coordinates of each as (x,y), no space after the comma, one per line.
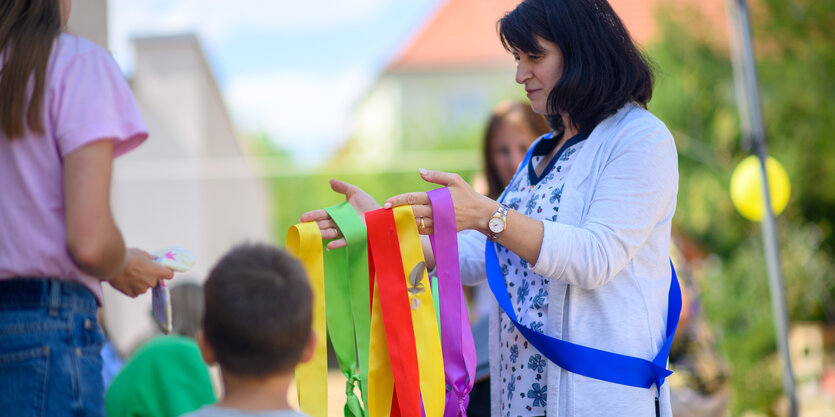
(388,335)
(407,312)
(386,331)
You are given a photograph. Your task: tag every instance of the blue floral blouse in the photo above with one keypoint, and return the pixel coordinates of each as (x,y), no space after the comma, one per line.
(522,369)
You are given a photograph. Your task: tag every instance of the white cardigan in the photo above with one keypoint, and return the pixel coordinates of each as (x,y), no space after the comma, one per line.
(608,260)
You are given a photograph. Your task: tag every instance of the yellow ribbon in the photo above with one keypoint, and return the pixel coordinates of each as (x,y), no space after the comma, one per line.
(427,337)
(380,378)
(305,241)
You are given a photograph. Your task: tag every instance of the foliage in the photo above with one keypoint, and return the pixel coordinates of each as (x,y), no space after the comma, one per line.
(695,97)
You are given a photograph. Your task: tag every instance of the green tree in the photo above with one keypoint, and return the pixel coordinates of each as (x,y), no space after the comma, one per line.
(695,97)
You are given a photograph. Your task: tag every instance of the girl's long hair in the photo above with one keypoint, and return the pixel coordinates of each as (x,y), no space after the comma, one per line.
(27,31)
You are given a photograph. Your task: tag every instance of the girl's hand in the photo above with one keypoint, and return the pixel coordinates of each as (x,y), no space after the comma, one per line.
(472,210)
(356,197)
(139,273)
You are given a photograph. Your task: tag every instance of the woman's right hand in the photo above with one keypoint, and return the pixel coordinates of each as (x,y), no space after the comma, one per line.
(139,273)
(472,210)
(356,197)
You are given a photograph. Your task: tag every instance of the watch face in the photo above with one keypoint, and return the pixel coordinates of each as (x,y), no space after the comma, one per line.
(496,225)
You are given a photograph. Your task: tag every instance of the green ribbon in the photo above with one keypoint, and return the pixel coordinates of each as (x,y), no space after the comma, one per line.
(352,405)
(348,307)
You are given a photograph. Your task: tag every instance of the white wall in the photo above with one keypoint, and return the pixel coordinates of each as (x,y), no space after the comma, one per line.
(189,185)
(89,20)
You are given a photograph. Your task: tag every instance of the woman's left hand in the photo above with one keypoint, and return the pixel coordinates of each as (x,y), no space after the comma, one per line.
(139,273)
(472,210)
(356,197)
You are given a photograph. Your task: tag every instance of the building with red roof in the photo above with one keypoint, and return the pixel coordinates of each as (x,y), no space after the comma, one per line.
(437,91)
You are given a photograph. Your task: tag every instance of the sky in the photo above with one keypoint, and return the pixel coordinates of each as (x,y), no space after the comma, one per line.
(292,70)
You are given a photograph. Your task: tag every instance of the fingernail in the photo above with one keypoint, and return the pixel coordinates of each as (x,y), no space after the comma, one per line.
(422,171)
(387,205)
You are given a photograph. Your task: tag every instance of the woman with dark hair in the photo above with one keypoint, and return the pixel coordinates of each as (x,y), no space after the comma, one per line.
(511,129)
(580,238)
(65,112)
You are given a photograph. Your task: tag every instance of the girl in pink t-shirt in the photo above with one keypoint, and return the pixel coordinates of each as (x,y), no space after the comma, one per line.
(65,113)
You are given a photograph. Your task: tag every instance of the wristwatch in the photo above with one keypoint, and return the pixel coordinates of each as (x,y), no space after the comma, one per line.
(497,223)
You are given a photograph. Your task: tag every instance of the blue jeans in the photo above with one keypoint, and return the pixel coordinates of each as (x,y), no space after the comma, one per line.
(50,344)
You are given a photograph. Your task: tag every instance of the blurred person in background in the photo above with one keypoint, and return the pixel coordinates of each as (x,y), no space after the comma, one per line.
(511,129)
(187,304)
(166,376)
(112,359)
(65,112)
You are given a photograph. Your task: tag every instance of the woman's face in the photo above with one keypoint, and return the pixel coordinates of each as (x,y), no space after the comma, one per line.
(510,141)
(539,73)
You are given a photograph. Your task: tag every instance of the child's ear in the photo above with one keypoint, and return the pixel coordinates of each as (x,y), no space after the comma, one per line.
(205,348)
(310,349)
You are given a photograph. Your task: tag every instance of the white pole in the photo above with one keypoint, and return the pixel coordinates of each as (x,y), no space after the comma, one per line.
(745,72)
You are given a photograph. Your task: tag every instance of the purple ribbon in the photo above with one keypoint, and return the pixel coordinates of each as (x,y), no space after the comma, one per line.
(456,335)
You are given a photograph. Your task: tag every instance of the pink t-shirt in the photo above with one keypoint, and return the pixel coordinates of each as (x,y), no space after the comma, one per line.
(87,99)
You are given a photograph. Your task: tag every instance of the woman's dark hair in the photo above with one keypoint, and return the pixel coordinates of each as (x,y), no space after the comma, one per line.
(501,113)
(602,68)
(27,31)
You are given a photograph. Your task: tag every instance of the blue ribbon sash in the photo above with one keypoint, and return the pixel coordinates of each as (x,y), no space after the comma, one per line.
(583,360)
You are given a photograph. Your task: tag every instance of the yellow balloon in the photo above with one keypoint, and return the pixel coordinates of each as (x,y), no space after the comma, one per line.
(746,187)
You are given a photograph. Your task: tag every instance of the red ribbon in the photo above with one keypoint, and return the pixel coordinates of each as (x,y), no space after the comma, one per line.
(386,266)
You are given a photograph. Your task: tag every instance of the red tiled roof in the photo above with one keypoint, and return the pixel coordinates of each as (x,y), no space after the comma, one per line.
(462,33)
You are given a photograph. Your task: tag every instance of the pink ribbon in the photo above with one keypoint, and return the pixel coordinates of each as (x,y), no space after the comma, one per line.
(456,335)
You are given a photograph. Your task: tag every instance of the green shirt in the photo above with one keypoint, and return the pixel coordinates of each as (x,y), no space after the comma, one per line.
(166,377)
